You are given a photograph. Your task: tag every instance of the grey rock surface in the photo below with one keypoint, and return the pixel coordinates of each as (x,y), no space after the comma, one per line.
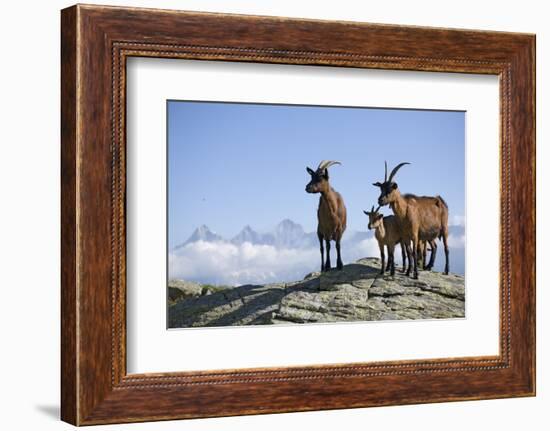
(179,289)
(357,293)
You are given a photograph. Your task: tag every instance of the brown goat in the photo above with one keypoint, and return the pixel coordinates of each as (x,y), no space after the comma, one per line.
(420,218)
(331,213)
(388,234)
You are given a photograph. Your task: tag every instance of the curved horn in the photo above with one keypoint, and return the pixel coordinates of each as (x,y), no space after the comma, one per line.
(326,164)
(396,169)
(385,171)
(372,209)
(377,209)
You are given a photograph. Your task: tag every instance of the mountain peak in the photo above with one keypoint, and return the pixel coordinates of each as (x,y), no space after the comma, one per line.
(247,234)
(287,222)
(289,234)
(203,233)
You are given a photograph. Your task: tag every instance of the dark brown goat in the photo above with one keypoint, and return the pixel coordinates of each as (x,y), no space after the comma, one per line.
(421,218)
(331,213)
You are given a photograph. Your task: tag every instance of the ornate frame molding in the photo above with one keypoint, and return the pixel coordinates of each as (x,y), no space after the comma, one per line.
(96,41)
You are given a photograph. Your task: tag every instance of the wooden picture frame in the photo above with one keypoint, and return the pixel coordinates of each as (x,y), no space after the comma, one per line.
(95,43)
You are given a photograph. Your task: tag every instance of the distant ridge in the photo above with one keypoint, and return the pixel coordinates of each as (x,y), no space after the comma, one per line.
(287,234)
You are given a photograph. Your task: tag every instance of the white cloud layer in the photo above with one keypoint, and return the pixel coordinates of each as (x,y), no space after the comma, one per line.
(230,264)
(224,263)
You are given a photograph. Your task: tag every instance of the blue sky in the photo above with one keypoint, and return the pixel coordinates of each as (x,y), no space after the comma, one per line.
(236,164)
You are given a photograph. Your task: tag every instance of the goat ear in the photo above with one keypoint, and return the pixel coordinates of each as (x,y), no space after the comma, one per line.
(325,174)
(377,184)
(310,171)
(393,186)
(379,216)
(366,213)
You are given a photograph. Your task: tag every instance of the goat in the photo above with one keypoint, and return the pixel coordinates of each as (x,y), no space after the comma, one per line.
(420,218)
(331,213)
(388,234)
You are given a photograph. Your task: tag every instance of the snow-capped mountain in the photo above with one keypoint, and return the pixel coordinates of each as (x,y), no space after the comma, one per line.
(289,234)
(202,233)
(286,235)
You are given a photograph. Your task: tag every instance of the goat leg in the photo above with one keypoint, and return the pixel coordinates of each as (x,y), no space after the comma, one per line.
(419,253)
(446,246)
(327,264)
(409,256)
(391,260)
(408,248)
(339,263)
(433,245)
(411,252)
(415,260)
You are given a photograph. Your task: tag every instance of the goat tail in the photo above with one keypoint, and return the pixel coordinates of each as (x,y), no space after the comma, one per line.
(441,201)
(444,231)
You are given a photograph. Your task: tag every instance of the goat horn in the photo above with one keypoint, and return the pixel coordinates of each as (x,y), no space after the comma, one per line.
(372,209)
(326,164)
(377,209)
(385,171)
(396,169)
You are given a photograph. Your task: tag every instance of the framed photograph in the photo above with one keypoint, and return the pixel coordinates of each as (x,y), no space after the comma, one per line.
(264,215)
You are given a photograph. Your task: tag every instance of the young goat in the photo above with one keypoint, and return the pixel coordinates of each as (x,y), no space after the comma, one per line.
(331,213)
(420,218)
(388,234)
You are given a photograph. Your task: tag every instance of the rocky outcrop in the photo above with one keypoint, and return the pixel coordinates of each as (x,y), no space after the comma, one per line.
(357,293)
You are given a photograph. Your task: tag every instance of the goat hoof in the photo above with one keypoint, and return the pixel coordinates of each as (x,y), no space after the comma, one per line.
(340,267)
(415,276)
(446,273)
